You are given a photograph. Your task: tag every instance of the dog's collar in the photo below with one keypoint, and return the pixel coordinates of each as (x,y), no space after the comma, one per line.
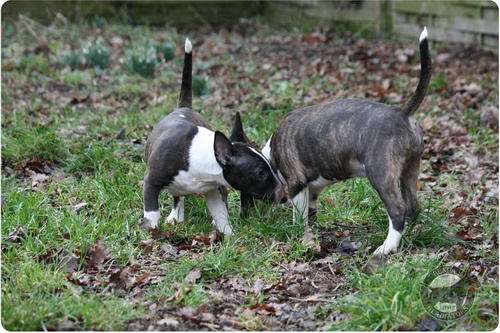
(268,163)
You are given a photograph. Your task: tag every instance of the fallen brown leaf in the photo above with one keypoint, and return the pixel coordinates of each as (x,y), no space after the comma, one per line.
(100,252)
(147,245)
(192,276)
(309,240)
(14,236)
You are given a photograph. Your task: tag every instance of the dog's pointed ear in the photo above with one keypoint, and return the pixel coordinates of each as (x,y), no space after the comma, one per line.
(237,134)
(223,149)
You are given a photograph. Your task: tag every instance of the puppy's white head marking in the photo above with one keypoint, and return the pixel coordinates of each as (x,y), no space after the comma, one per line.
(267,162)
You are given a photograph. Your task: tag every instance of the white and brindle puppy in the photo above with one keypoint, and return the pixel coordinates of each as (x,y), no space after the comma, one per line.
(317,146)
(184,156)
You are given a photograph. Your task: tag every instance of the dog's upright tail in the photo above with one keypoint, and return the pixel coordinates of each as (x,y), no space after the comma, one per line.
(186,95)
(413,103)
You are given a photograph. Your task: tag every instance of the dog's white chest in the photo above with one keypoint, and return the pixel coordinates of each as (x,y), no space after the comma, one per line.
(187,182)
(204,173)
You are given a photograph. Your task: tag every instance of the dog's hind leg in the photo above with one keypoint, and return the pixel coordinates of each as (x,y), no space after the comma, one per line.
(386,185)
(151,208)
(177,213)
(408,184)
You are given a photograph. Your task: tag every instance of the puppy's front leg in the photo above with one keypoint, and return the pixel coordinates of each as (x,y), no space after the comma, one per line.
(300,206)
(177,212)
(247,203)
(314,193)
(217,204)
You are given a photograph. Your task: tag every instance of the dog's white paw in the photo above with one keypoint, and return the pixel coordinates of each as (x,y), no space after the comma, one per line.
(176,216)
(170,219)
(153,218)
(391,243)
(224,229)
(386,249)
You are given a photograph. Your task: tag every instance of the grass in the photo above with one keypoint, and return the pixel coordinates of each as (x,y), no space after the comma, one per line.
(60,305)
(27,142)
(107,176)
(390,299)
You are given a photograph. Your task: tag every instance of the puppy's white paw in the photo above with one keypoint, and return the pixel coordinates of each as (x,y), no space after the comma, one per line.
(153,218)
(175,217)
(171,220)
(386,249)
(390,244)
(227,232)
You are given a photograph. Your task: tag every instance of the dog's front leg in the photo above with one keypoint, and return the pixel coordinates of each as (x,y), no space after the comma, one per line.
(177,213)
(314,193)
(247,203)
(217,204)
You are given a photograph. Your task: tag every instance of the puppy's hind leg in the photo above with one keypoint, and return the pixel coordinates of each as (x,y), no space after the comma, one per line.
(408,182)
(386,186)
(151,208)
(177,213)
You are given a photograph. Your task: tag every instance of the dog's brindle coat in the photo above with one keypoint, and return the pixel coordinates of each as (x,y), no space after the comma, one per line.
(317,146)
(184,156)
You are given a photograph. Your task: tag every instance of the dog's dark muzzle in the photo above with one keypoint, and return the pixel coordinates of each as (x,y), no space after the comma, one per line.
(278,195)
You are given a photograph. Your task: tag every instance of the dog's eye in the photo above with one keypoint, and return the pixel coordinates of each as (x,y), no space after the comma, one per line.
(261,173)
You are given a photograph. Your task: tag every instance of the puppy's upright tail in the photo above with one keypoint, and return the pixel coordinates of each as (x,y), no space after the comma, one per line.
(186,95)
(413,103)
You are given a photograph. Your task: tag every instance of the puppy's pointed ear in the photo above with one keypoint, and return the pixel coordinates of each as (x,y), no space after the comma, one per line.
(223,149)
(237,134)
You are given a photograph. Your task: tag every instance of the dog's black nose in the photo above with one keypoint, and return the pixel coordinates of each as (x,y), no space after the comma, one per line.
(283,200)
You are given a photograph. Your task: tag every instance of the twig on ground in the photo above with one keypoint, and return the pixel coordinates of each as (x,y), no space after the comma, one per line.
(117,135)
(26,22)
(213,327)
(310,300)
(351,227)
(16,24)
(43,326)
(59,17)
(331,269)
(243,271)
